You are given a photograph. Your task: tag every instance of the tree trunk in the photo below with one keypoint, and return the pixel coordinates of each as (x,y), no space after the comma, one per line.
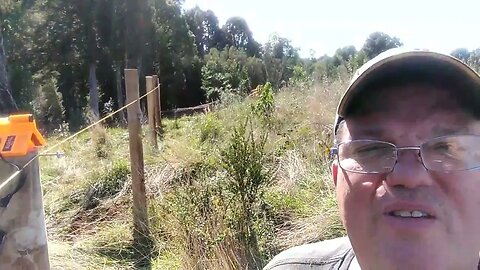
(118,78)
(136,11)
(7,104)
(93,91)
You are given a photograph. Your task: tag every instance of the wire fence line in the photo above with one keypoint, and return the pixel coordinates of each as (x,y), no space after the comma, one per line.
(69,138)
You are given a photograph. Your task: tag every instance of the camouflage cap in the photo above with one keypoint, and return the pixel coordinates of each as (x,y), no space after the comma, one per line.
(402,60)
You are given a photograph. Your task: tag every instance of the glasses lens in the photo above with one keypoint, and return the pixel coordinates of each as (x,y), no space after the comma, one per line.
(452,153)
(367,156)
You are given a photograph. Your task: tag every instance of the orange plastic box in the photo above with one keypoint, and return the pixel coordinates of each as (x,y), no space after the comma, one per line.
(19,135)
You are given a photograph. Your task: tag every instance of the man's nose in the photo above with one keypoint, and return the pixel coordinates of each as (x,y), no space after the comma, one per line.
(409,171)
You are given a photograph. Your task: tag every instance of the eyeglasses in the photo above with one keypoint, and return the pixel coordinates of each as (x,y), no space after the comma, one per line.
(441,154)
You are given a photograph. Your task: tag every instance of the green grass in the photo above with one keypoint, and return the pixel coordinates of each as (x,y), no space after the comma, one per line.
(194,213)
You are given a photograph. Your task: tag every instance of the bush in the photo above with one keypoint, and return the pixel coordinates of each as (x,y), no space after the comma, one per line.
(230,70)
(193,219)
(265,105)
(300,78)
(210,128)
(100,139)
(244,161)
(214,215)
(106,184)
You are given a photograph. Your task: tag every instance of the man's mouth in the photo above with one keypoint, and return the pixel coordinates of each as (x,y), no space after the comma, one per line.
(410,214)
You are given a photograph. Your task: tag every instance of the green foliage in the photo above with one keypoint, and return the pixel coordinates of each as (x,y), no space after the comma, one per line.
(100,139)
(244,161)
(47,105)
(226,71)
(279,58)
(194,213)
(379,42)
(205,27)
(197,59)
(474,60)
(461,53)
(106,184)
(238,35)
(22,81)
(339,67)
(265,105)
(471,58)
(342,55)
(282,202)
(300,78)
(210,128)
(256,71)
(174,55)
(200,212)
(214,213)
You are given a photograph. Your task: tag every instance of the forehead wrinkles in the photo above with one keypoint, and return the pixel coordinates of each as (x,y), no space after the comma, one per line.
(402,126)
(418,96)
(426,112)
(385,99)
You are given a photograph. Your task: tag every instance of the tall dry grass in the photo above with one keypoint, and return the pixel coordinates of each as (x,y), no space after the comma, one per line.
(191,216)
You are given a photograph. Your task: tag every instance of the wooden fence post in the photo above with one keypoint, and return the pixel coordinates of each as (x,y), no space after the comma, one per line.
(140,215)
(150,85)
(158,107)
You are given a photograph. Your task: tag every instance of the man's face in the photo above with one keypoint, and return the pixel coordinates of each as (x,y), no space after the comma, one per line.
(448,240)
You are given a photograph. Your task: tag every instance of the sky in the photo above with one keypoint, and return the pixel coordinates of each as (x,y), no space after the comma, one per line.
(324,26)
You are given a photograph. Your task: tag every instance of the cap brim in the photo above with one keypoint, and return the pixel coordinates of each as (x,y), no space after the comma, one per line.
(401,60)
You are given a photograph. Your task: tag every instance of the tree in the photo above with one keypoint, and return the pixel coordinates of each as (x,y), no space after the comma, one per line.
(379,42)
(461,53)
(474,59)
(112,36)
(87,10)
(135,31)
(279,58)
(7,104)
(238,34)
(175,57)
(61,47)
(226,71)
(345,54)
(204,25)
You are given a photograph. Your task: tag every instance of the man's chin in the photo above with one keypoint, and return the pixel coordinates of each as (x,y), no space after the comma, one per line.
(411,254)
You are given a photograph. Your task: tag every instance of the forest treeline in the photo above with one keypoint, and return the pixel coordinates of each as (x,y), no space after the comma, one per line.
(64,59)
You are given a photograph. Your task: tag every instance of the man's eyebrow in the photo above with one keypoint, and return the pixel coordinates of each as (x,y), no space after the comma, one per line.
(368,133)
(442,130)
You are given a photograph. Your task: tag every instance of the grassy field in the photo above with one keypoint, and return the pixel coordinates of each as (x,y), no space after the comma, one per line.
(226,190)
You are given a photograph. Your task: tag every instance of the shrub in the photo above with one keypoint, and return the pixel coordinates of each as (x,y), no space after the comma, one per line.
(244,161)
(300,78)
(265,105)
(106,184)
(230,70)
(210,128)
(100,140)
(215,212)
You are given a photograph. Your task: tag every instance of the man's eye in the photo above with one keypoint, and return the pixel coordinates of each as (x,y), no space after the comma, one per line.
(442,147)
(371,149)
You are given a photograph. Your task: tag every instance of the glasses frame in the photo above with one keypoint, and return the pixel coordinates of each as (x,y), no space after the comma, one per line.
(334,151)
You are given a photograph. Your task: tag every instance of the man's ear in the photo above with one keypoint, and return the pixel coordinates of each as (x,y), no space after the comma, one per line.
(334,172)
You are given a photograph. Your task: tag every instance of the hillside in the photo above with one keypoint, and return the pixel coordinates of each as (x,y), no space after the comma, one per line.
(216,192)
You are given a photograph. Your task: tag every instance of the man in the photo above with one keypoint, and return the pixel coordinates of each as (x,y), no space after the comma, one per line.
(406,168)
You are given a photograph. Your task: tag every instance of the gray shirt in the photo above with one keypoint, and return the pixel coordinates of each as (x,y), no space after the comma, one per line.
(334,254)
